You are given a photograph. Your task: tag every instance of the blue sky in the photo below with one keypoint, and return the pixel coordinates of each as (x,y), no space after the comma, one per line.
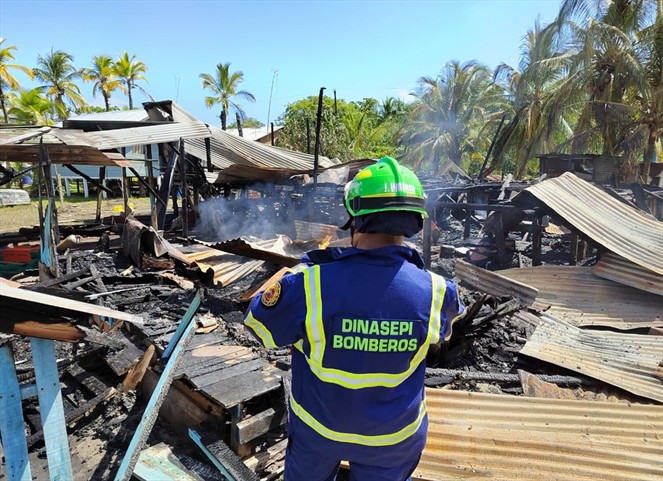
(370,48)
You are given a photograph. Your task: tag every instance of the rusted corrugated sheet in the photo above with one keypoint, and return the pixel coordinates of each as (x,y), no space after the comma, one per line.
(494,283)
(222,268)
(621,228)
(153,134)
(271,250)
(618,269)
(574,294)
(628,361)
(475,436)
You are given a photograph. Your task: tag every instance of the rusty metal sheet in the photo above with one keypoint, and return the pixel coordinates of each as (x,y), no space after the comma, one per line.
(313,230)
(628,361)
(278,251)
(476,436)
(494,283)
(152,134)
(618,269)
(62,154)
(620,228)
(577,296)
(222,268)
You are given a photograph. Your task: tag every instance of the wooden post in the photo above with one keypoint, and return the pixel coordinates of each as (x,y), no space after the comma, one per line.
(239,124)
(150,179)
(208,154)
(51,409)
(100,193)
(536,240)
(166,188)
(59,180)
(468,217)
(185,191)
(125,191)
(318,124)
(12,430)
(426,235)
(500,243)
(272,125)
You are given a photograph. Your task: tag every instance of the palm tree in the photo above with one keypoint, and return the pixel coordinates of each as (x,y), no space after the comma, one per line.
(57,72)
(529,87)
(442,121)
(130,71)
(608,71)
(6,78)
(224,86)
(32,107)
(104,76)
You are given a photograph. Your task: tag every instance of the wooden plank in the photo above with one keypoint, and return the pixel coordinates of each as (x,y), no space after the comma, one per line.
(209,358)
(135,376)
(222,457)
(12,430)
(251,428)
(227,372)
(260,461)
(180,410)
(160,392)
(51,409)
(231,392)
(123,361)
(57,331)
(159,463)
(69,305)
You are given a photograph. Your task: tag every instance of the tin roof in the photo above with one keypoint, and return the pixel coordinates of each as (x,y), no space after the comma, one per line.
(474,436)
(577,296)
(628,361)
(622,229)
(618,269)
(152,134)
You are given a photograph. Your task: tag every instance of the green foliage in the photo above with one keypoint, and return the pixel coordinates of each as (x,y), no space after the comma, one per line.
(248,122)
(224,86)
(105,76)
(7,80)
(57,72)
(130,71)
(349,130)
(32,107)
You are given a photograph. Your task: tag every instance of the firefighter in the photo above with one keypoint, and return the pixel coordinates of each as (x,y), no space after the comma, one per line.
(360,321)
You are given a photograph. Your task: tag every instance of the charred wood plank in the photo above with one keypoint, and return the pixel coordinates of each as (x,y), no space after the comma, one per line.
(436,376)
(63,278)
(261,423)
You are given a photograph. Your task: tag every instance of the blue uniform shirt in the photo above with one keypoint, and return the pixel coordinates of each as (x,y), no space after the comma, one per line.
(361,323)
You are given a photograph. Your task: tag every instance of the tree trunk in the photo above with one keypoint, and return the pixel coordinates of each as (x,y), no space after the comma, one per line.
(239,124)
(131,102)
(2,104)
(650,155)
(106,100)
(224,118)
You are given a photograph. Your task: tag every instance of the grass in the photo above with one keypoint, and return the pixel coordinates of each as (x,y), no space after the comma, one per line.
(75,210)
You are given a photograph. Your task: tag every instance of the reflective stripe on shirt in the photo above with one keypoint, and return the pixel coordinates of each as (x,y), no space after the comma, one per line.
(366,440)
(317,344)
(260,330)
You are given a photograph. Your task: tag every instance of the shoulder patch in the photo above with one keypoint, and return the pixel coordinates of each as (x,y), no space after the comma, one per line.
(271,295)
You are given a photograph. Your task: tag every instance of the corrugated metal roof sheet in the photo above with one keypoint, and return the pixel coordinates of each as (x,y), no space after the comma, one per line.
(61,154)
(271,250)
(135,115)
(153,134)
(575,295)
(624,230)
(628,361)
(255,133)
(494,283)
(223,268)
(474,436)
(618,269)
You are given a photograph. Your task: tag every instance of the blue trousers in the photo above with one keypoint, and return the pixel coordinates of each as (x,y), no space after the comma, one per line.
(304,462)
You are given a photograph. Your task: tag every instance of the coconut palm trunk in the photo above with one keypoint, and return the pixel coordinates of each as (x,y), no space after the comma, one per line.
(2,104)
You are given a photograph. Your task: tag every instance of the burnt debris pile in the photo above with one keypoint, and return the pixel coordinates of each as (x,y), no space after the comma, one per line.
(562,280)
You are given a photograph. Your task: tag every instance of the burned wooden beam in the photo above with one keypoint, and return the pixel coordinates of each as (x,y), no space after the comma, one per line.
(94,182)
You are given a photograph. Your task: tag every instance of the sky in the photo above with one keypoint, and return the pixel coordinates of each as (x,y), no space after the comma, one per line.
(287,50)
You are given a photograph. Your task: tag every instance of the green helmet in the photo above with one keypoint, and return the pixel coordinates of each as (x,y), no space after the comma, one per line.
(385,186)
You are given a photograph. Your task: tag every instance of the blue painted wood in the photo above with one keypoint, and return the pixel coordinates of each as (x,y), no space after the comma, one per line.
(46,243)
(193,434)
(28,390)
(51,410)
(174,341)
(187,327)
(12,431)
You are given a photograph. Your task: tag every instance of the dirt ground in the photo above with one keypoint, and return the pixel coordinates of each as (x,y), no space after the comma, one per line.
(74,210)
